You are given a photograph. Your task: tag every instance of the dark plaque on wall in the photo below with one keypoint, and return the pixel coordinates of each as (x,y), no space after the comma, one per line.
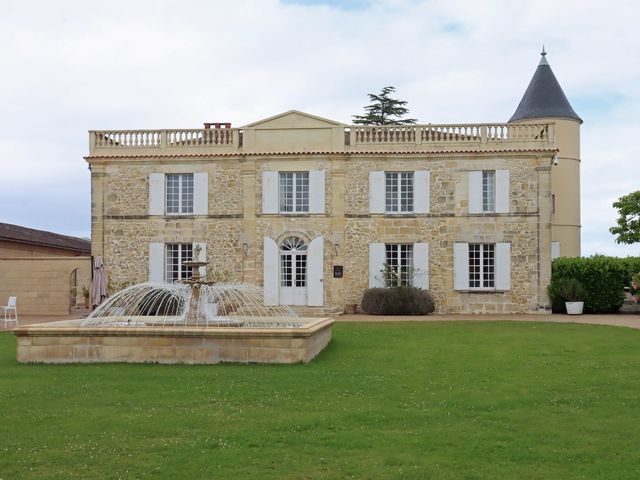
(337,271)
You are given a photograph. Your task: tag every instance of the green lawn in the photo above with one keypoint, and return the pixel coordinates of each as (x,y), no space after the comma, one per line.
(460,400)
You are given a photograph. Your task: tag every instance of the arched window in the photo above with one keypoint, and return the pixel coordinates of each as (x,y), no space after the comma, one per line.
(73,288)
(293,262)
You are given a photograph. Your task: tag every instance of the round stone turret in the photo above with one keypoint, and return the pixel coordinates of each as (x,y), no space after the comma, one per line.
(544,101)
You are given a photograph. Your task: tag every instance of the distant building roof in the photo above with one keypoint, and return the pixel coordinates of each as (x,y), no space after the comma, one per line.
(16,233)
(544,96)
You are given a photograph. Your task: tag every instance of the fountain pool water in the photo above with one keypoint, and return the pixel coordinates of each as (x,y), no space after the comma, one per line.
(189,322)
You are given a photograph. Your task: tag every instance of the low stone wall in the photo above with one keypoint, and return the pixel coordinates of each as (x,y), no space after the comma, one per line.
(67,342)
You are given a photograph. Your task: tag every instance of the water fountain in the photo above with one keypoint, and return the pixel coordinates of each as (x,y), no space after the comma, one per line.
(191,321)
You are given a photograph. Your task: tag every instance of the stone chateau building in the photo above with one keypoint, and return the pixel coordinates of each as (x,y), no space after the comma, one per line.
(312,209)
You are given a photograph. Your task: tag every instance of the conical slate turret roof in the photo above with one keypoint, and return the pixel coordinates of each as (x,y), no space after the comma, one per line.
(544,96)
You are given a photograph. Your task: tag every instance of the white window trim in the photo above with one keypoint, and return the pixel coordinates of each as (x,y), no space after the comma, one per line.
(295,210)
(400,211)
(398,254)
(482,252)
(501,191)
(491,206)
(180,206)
(502,268)
(181,258)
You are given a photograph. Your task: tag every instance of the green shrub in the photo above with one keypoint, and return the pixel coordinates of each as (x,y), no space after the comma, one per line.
(603,278)
(397,301)
(563,290)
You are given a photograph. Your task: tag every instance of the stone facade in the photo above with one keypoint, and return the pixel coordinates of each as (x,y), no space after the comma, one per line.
(234,225)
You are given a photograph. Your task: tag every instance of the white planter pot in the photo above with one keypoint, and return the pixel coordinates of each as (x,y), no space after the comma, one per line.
(574,308)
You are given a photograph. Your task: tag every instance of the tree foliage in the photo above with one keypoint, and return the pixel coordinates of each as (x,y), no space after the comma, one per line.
(628,223)
(384,110)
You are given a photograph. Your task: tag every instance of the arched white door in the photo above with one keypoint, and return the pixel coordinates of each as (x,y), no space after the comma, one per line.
(293,271)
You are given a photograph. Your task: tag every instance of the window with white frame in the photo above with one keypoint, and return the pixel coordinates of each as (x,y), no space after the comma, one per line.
(398,192)
(175,256)
(488,190)
(179,193)
(293,263)
(294,192)
(482,266)
(399,261)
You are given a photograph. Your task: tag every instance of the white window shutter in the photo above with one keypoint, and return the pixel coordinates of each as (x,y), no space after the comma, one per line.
(316,191)
(270,274)
(421,192)
(156,262)
(156,194)
(555,250)
(461,266)
(421,265)
(376,192)
(377,258)
(201,193)
(202,257)
(503,266)
(475,191)
(502,191)
(270,191)
(315,273)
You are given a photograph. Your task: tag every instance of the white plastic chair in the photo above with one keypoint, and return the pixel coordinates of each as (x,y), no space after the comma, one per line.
(11,307)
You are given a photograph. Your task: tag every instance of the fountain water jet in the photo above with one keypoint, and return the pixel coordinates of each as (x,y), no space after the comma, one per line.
(193,321)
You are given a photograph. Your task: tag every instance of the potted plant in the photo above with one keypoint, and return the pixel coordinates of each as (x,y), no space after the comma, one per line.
(573,293)
(350,308)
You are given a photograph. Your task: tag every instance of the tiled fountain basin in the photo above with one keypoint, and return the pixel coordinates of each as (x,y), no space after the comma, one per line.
(68,342)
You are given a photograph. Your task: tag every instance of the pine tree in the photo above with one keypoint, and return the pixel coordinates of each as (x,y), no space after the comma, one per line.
(384,110)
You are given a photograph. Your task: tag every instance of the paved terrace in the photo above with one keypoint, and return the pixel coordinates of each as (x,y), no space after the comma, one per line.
(629,320)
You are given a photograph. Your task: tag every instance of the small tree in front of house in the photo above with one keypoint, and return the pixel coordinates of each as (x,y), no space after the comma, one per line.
(395,277)
(384,110)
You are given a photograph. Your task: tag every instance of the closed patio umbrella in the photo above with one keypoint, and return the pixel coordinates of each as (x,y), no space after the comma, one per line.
(99,282)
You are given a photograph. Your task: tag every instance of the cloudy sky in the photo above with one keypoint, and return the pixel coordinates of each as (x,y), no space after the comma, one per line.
(70,66)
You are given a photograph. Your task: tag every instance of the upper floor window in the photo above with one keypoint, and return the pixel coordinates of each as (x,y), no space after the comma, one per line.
(294,192)
(488,190)
(175,256)
(179,193)
(399,192)
(394,193)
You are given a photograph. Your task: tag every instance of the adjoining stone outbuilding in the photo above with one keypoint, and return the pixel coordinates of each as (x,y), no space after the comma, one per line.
(312,209)
(46,271)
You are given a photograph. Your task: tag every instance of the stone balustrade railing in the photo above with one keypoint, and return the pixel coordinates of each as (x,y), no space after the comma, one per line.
(101,139)
(465,133)
(420,137)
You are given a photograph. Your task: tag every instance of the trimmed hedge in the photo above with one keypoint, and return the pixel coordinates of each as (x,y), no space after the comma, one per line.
(397,301)
(604,279)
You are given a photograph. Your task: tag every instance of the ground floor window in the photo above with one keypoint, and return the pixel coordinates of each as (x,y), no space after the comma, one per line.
(293,263)
(482,266)
(399,264)
(176,254)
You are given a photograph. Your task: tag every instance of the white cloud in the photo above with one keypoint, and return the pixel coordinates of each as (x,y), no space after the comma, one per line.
(71,66)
